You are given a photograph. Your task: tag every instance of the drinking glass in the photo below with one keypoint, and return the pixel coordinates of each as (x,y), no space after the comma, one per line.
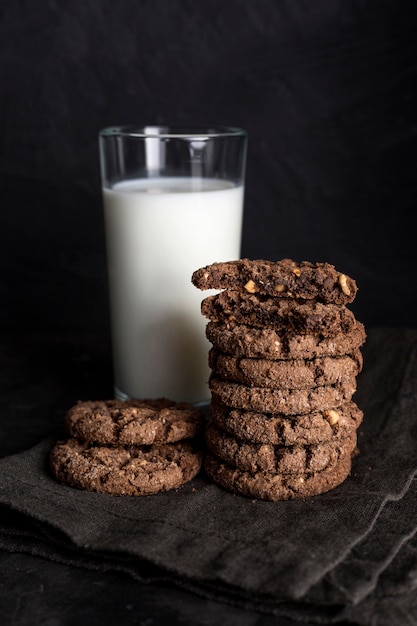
(173,202)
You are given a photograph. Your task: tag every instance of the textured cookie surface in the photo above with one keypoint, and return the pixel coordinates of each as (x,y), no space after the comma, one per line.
(134,422)
(277,429)
(285,279)
(326,320)
(130,471)
(285,401)
(266,343)
(291,374)
(296,459)
(273,486)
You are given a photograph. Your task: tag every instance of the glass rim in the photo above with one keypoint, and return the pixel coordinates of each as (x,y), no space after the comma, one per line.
(172,132)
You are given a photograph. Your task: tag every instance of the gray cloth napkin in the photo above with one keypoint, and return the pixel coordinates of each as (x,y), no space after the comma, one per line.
(350,554)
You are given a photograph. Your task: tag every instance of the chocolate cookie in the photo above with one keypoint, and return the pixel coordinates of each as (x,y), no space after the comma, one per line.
(125,471)
(255,457)
(291,374)
(277,429)
(289,316)
(134,422)
(285,279)
(266,343)
(271,486)
(285,401)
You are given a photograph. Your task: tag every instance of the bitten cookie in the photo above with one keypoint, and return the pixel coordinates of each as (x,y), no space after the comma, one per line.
(265,343)
(277,429)
(134,422)
(272,486)
(291,374)
(284,279)
(290,316)
(285,401)
(125,471)
(296,459)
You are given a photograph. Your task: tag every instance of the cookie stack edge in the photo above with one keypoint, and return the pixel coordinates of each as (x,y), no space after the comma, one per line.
(284,361)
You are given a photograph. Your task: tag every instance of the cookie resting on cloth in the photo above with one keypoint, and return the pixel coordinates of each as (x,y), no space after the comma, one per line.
(273,486)
(266,343)
(125,471)
(297,459)
(289,316)
(291,374)
(285,279)
(278,429)
(134,422)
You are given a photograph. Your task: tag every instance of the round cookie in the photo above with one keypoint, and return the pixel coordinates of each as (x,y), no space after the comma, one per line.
(290,316)
(291,374)
(285,401)
(255,457)
(277,429)
(134,422)
(271,486)
(265,343)
(285,279)
(124,471)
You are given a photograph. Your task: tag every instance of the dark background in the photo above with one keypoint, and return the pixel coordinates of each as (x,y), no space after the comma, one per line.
(327,90)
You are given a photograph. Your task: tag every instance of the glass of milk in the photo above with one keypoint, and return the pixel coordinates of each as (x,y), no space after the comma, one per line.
(173,202)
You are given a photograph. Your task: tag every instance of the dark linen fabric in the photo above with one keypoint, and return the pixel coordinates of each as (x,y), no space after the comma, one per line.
(350,554)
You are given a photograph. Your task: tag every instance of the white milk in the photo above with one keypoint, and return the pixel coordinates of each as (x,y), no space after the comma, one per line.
(158,232)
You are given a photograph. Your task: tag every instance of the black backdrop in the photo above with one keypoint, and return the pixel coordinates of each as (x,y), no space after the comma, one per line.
(327,90)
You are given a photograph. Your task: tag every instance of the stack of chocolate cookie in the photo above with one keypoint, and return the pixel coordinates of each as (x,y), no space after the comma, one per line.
(134,448)
(284,360)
